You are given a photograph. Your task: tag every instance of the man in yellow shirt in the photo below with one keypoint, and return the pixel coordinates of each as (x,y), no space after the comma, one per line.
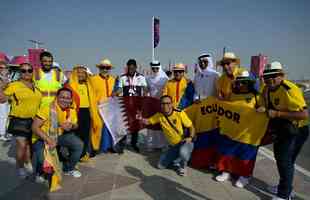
(172,122)
(287,109)
(180,89)
(230,69)
(48,79)
(103,84)
(55,125)
(86,100)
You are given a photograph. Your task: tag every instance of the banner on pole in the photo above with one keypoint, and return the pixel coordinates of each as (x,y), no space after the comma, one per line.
(156,31)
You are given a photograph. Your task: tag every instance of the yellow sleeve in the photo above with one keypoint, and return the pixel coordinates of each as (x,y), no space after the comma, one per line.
(296,101)
(10,89)
(43,113)
(154,119)
(185,120)
(165,89)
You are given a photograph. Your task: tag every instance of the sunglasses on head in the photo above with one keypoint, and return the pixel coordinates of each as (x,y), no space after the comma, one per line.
(26,70)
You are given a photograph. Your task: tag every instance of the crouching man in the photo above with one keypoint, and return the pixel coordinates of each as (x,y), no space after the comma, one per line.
(172,122)
(54,126)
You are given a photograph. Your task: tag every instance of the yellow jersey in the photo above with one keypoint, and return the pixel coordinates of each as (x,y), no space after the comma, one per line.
(25,101)
(175,133)
(175,89)
(44,113)
(289,97)
(83,94)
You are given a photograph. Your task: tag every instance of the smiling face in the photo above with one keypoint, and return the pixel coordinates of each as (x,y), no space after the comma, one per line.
(178,74)
(46,63)
(203,63)
(166,105)
(26,72)
(81,74)
(64,99)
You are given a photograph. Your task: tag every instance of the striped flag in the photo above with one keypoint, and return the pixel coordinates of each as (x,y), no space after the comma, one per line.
(156,31)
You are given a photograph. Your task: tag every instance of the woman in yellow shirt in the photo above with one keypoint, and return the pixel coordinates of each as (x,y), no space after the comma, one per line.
(25,100)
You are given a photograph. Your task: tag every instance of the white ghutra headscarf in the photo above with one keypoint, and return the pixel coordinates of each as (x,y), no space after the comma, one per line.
(156,81)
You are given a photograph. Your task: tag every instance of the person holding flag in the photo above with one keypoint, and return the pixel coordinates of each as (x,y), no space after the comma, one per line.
(104,84)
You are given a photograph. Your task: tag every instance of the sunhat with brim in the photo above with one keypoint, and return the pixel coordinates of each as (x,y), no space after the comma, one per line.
(244,76)
(229,57)
(273,69)
(80,66)
(204,56)
(105,63)
(19,60)
(155,64)
(179,67)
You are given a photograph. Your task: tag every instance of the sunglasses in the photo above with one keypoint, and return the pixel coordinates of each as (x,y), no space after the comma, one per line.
(178,72)
(26,70)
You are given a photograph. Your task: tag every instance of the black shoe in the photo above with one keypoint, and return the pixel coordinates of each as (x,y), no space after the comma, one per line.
(136,149)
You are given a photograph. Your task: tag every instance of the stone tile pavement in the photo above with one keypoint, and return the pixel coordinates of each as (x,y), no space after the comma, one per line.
(134,176)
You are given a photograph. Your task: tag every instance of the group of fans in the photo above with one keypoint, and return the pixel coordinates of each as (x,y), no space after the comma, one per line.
(49,111)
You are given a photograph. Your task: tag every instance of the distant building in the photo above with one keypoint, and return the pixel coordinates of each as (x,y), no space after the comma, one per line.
(258,64)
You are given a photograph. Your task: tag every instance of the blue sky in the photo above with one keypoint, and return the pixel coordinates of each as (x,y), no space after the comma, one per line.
(86,31)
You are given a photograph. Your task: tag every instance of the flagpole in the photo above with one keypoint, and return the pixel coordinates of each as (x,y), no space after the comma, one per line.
(153,49)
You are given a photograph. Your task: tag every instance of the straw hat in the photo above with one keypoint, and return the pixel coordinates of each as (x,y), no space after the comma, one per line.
(105,63)
(179,67)
(229,56)
(273,68)
(244,76)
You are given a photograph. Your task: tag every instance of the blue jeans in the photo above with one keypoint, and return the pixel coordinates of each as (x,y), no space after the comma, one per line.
(286,150)
(68,140)
(177,154)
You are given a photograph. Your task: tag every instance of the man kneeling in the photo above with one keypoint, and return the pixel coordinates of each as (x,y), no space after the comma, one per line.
(172,122)
(54,126)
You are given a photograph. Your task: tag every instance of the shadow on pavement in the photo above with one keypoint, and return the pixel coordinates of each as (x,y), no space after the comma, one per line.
(13,188)
(259,188)
(158,187)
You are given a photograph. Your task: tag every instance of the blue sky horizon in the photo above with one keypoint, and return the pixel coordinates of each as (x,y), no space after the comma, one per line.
(83,32)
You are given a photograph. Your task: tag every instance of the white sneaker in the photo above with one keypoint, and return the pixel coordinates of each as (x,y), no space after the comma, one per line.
(74,173)
(274,190)
(278,198)
(4,138)
(28,167)
(182,171)
(242,182)
(22,173)
(224,176)
(39,179)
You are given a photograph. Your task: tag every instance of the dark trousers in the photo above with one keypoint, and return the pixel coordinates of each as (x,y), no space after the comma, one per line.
(68,140)
(83,131)
(121,144)
(286,149)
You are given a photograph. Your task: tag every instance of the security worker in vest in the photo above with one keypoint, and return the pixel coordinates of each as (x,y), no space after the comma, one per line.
(48,79)
(287,110)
